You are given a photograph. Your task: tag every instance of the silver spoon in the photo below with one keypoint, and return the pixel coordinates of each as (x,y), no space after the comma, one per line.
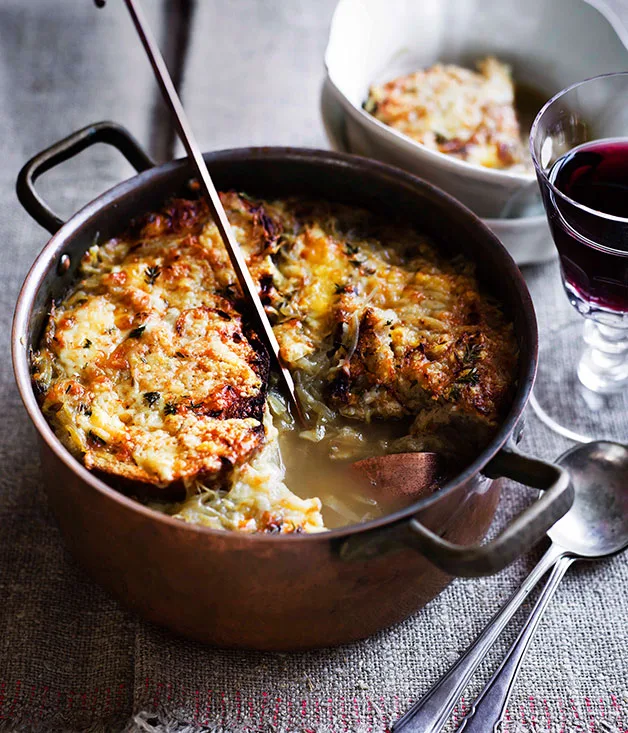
(595,527)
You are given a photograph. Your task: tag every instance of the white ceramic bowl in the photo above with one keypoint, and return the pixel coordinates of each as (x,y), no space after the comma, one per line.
(528,240)
(549,43)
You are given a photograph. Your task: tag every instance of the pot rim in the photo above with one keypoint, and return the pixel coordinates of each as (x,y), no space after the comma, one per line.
(41,265)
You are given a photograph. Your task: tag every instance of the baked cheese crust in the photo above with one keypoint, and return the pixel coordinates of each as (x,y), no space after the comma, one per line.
(376,324)
(467,114)
(148,372)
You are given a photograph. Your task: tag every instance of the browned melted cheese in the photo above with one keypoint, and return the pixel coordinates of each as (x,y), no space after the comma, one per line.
(376,322)
(147,371)
(467,114)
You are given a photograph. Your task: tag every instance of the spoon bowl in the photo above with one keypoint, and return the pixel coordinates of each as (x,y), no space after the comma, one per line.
(400,475)
(597,523)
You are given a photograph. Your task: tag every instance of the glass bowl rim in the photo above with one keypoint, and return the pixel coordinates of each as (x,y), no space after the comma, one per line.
(539,168)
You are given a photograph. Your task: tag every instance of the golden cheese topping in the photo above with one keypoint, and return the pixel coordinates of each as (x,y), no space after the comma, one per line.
(376,324)
(467,114)
(148,371)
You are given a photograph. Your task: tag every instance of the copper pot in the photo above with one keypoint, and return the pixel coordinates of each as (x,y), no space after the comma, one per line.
(278,592)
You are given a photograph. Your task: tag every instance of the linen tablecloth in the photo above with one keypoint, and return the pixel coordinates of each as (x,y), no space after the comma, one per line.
(70,658)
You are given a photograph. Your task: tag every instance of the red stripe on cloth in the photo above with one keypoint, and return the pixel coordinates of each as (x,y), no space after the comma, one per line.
(563,716)
(251,707)
(120,693)
(343,712)
(356,710)
(263,711)
(587,703)
(618,711)
(16,697)
(507,716)
(455,715)
(208,706)
(548,716)
(42,702)
(157,694)
(574,710)
(532,707)
(385,717)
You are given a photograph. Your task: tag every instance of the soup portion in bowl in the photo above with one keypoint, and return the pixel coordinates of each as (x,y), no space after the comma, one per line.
(475,116)
(150,373)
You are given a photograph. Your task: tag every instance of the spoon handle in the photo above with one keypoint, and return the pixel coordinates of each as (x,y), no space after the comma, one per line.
(490,706)
(432,711)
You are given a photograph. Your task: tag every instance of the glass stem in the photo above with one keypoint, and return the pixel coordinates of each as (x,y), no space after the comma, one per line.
(603,367)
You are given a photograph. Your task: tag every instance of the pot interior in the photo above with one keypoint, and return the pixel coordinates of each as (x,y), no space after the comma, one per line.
(279,172)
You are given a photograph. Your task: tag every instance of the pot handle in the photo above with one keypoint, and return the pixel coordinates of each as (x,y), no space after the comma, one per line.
(475,560)
(100,132)
(521,535)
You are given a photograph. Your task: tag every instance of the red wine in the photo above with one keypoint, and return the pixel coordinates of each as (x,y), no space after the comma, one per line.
(592,242)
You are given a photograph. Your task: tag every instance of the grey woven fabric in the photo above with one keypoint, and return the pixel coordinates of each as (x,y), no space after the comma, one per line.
(70,658)
(65,647)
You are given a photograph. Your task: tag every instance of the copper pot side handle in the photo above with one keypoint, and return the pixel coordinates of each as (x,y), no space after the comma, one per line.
(521,535)
(100,132)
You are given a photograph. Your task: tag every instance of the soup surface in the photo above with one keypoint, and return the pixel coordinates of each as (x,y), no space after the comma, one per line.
(150,373)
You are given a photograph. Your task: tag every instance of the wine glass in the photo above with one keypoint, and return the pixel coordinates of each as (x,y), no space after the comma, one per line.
(579,145)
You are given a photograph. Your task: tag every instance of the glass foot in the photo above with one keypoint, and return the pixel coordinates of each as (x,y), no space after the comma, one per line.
(564,403)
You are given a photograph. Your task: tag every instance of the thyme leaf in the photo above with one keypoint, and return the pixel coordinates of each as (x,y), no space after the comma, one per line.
(468,376)
(151,274)
(137,332)
(95,439)
(151,398)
